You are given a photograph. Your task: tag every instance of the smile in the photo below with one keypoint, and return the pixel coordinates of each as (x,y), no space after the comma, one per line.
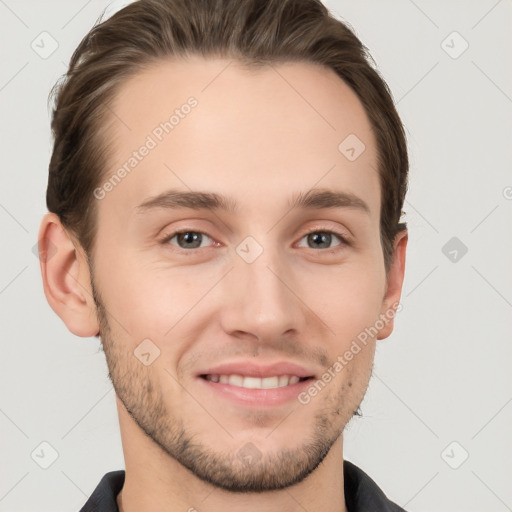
(276,381)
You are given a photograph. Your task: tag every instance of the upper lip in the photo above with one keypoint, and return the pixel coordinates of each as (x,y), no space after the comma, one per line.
(251,369)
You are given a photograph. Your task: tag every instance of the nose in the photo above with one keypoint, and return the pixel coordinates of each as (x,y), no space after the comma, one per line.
(262,299)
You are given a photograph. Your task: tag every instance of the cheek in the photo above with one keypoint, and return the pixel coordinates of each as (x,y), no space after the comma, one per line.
(150,298)
(148,302)
(348,300)
(351,389)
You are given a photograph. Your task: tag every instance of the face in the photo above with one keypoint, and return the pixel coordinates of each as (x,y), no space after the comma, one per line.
(219,314)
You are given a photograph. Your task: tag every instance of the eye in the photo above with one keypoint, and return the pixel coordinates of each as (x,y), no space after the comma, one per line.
(322,239)
(187,239)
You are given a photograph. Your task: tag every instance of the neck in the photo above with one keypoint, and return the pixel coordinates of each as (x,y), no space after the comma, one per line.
(156,481)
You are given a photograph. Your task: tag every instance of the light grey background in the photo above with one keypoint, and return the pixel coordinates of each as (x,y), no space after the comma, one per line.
(442,377)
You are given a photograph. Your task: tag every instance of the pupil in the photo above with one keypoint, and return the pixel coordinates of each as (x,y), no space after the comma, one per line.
(322,238)
(190,238)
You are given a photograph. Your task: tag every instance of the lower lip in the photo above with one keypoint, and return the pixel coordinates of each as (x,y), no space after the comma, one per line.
(258,397)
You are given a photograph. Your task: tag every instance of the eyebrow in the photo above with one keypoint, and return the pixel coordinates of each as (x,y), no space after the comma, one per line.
(196,200)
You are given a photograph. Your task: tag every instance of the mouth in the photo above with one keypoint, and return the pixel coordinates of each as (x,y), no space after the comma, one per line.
(248,384)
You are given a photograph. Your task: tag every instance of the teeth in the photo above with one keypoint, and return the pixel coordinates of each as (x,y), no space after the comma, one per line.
(255,382)
(236,380)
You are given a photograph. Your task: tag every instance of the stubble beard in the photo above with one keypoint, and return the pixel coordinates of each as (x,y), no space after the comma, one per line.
(230,471)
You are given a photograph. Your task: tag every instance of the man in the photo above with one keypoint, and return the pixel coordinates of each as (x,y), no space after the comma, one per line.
(225,192)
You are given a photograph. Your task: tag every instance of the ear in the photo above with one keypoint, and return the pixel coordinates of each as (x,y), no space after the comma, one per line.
(395,281)
(66,277)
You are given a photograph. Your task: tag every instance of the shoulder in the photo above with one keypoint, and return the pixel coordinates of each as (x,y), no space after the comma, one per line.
(362,493)
(103,498)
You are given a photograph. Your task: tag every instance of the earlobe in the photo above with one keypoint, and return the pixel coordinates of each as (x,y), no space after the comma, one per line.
(66,277)
(394,284)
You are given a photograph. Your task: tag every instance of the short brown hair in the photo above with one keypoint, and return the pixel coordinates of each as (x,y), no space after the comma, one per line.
(254,32)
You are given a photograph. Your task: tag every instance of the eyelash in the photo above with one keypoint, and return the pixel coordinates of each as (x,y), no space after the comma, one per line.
(169,237)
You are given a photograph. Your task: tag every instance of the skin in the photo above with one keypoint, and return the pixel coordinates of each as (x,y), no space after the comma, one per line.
(253,138)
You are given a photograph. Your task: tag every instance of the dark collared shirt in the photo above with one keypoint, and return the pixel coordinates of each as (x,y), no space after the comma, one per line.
(361,493)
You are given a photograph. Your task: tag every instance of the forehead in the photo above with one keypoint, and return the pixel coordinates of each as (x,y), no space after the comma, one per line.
(257,134)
